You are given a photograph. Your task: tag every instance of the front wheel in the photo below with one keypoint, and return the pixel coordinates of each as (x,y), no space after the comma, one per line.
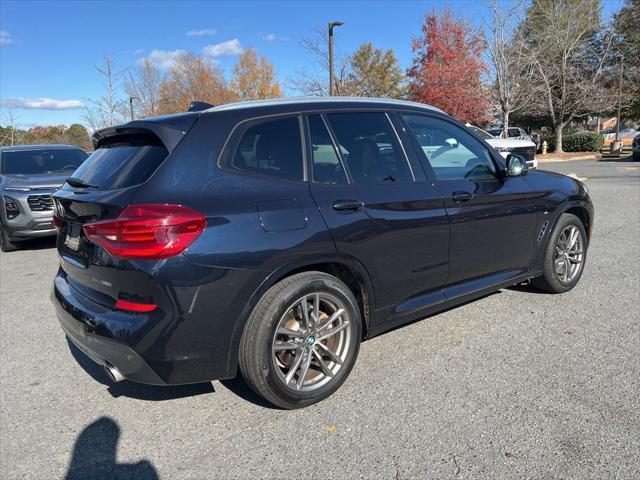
(302,340)
(565,255)
(6,245)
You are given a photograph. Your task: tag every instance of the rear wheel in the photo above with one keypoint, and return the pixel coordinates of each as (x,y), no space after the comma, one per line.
(301,340)
(6,245)
(564,256)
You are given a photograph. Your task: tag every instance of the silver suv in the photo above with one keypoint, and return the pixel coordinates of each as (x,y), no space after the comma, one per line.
(29,174)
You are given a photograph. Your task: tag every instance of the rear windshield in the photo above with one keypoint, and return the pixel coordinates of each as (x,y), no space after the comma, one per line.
(121,165)
(33,162)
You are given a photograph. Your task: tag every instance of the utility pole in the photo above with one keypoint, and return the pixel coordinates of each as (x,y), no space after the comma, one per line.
(332,25)
(619,98)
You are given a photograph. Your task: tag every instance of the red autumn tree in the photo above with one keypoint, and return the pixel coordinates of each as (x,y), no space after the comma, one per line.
(447,68)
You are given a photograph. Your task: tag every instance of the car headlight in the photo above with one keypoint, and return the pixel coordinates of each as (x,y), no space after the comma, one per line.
(17,189)
(504,149)
(10,207)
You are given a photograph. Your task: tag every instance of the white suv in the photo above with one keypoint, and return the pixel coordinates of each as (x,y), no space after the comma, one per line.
(522,147)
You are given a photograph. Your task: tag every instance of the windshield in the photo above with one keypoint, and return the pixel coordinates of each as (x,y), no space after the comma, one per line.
(33,162)
(481,133)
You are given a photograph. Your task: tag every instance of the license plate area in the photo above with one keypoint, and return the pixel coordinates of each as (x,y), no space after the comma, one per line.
(72,239)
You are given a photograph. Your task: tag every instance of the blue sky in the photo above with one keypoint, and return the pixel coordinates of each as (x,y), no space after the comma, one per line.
(48,49)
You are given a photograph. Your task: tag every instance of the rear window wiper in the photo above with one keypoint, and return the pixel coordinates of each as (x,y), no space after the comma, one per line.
(79,183)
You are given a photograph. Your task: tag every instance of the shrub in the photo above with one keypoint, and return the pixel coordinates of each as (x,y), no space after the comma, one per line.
(580,142)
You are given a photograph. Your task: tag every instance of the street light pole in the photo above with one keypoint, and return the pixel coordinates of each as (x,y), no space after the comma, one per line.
(332,25)
(131,99)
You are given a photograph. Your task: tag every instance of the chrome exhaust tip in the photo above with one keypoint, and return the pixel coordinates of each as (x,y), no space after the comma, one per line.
(113,373)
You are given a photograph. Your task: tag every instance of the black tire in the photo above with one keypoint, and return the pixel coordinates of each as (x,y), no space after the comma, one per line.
(550,280)
(256,356)
(6,245)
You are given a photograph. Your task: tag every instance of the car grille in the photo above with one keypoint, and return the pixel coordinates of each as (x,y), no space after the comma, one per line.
(527,152)
(40,203)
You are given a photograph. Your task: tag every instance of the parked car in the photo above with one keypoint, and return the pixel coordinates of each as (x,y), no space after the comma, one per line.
(29,174)
(269,238)
(635,147)
(506,146)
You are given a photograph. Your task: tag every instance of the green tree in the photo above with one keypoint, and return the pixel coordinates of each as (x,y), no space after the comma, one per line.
(77,135)
(374,73)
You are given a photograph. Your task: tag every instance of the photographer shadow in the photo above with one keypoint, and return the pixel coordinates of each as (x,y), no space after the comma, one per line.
(94,456)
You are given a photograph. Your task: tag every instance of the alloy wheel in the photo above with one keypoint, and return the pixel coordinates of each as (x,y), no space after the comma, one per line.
(312,341)
(569,254)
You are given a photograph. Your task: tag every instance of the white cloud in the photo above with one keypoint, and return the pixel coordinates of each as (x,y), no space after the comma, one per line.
(201,33)
(6,38)
(272,37)
(230,47)
(164,59)
(42,103)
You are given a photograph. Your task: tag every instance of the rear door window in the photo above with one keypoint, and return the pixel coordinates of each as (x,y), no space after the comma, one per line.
(327,167)
(272,148)
(369,147)
(122,165)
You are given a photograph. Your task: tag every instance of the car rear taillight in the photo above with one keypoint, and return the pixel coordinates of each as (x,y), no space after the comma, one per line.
(57,222)
(148,232)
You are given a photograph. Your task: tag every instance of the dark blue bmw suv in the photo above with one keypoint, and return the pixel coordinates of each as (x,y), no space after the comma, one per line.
(270,238)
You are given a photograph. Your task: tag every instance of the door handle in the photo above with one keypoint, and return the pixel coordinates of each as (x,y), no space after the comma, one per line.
(347,205)
(461,196)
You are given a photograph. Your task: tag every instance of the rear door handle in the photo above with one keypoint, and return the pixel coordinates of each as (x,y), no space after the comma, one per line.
(461,196)
(347,205)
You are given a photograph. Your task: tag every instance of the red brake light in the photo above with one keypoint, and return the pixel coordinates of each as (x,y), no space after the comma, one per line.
(135,306)
(57,222)
(148,232)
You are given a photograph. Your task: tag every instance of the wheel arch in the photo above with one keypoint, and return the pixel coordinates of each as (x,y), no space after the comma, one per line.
(346,268)
(580,210)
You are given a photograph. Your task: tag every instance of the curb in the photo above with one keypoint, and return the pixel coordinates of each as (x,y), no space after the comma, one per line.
(542,159)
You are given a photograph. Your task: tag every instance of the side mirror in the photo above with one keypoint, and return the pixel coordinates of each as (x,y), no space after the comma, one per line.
(452,142)
(516,165)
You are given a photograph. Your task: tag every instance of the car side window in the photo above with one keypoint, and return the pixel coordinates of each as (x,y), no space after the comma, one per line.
(369,147)
(327,167)
(452,153)
(272,148)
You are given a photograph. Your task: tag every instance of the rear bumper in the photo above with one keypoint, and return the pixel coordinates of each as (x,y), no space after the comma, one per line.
(77,318)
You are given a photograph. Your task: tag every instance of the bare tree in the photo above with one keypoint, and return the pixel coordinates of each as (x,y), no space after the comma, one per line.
(143,83)
(511,69)
(11,119)
(108,109)
(314,79)
(568,51)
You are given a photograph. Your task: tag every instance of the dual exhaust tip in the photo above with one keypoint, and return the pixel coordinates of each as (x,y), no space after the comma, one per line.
(113,373)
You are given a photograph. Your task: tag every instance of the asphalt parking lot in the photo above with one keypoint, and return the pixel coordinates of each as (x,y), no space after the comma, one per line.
(516,385)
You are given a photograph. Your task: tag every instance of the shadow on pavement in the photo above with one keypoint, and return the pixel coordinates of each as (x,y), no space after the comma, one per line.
(94,456)
(527,288)
(137,390)
(38,243)
(617,160)
(239,387)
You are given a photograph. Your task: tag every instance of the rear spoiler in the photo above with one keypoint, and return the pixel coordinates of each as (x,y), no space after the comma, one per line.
(169,129)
